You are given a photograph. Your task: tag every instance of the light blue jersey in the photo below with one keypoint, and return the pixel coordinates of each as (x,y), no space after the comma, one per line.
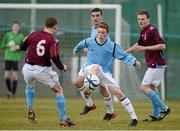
(104,54)
(94,32)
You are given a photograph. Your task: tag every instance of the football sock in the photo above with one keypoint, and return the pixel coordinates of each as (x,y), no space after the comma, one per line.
(14,87)
(60,101)
(109,104)
(89,101)
(8,84)
(156,100)
(155,112)
(162,109)
(128,106)
(30,93)
(81,90)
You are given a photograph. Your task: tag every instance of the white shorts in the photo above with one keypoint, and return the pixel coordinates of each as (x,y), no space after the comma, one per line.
(44,75)
(153,76)
(106,79)
(81,72)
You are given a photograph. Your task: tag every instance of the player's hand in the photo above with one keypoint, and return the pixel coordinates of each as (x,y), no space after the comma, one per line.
(87,92)
(74,53)
(139,48)
(132,49)
(11,44)
(65,67)
(14,48)
(137,64)
(85,50)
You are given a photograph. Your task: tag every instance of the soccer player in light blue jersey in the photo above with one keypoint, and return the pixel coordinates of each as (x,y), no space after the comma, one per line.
(100,57)
(96,18)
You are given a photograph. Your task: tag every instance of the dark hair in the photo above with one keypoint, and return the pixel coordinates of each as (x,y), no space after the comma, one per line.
(97,10)
(104,25)
(143,12)
(50,22)
(16,22)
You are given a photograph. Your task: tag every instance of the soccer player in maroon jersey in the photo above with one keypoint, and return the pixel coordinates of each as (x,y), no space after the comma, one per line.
(42,48)
(153,45)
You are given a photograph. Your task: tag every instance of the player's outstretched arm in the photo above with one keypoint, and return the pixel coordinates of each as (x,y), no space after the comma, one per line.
(132,48)
(153,48)
(81,45)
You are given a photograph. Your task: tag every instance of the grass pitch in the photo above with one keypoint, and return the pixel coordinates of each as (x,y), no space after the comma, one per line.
(13,116)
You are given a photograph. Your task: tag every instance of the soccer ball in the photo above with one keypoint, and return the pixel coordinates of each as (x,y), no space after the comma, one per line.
(91,81)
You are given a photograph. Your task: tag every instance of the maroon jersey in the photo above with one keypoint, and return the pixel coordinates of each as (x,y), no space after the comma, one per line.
(149,36)
(42,47)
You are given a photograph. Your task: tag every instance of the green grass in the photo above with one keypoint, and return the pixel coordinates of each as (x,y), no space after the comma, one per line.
(13,116)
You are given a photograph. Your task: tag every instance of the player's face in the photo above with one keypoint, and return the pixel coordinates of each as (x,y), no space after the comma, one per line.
(143,21)
(15,28)
(55,29)
(96,18)
(102,33)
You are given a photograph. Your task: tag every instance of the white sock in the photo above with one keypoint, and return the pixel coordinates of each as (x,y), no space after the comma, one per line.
(89,101)
(109,104)
(128,106)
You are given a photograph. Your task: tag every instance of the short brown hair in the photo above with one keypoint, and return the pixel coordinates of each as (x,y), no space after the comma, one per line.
(97,10)
(104,25)
(143,12)
(16,22)
(50,22)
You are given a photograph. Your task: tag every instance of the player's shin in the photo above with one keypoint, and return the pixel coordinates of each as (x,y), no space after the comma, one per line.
(60,101)
(156,99)
(109,104)
(129,107)
(155,111)
(30,93)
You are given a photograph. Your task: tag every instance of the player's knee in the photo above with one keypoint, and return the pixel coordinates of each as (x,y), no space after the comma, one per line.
(57,89)
(95,69)
(78,84)
(104,91)
(143,88)
(119,94)
(14,77)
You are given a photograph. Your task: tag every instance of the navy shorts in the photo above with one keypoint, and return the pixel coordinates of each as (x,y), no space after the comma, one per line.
(11,65)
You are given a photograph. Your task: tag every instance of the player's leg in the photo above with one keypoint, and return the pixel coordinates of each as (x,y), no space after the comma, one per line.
(109,104)
(14,78)
(7,77)
(96,69)
(153,77)
(146,88)
(126,103)
(112,87)
(61,104)
(155,112)
(156,102)
(79,84)
(159,73)
(50,78)
(29,92)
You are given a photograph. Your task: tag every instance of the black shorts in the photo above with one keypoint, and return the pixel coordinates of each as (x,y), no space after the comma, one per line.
(11,65)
